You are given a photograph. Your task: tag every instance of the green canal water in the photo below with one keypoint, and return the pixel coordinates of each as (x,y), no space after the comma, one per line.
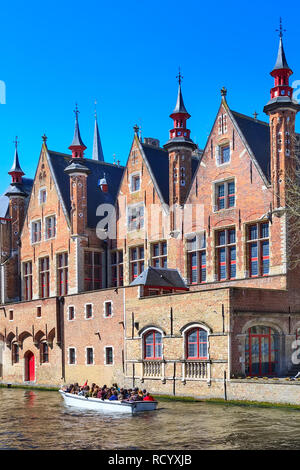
(41,420)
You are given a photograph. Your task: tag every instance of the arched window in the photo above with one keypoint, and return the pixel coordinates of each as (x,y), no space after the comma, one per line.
(196,344)
(261,351)
(153,345)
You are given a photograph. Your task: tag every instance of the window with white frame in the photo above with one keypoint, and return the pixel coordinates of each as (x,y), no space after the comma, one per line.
(135,183)
(196,258)
(43,195)
(108,309)
(72,356)
(224,195)
(71,312)
(89,356)
(159,254)
(135,217)
(223,153)
(109,355)
(88,311)
(36,231)
(50,227)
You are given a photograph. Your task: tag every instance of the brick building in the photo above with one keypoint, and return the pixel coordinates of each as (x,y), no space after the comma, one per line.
(170,272)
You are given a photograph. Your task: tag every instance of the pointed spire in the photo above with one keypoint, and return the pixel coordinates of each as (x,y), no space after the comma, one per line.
(16,171)
(97,147)
(77,146)
(281,62)
(180,108)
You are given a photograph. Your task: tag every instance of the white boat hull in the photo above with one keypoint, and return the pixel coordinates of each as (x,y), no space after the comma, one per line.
(109,406)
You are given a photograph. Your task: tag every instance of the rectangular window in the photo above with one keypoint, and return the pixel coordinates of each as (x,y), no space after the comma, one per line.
(44,277)
(11,315)
(258,249)
(107,309)
(72,356)
(39,312)
(159,252)
(116,260)
(62,273)
(71,312)
(196,254)
(27,279)
(109,358)
(226,254)
(50,227)
(44,351)
(88,311)
(43,196)
(135,217)
(15,353)
(136,261)
(89,356)
(225,195)
(92,270)
(135,183)
(36,231)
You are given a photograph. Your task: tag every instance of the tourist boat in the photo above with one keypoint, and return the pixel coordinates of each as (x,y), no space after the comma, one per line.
(109,406)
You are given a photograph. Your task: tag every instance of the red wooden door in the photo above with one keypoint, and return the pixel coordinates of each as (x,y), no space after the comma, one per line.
(29,367)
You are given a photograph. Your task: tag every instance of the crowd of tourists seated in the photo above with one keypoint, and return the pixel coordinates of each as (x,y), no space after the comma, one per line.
(109,393)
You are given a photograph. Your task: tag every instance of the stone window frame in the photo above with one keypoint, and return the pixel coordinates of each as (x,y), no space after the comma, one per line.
(226,182)
(27,278)
(218,148)
(75,355)
(50,216)
(104,309)
(132,176)
(86,356)
(35,221)
(85,311)
(44,191)
(130,207)
(113,355)
(185,330)
(42,353)
(68,313)
(143,335)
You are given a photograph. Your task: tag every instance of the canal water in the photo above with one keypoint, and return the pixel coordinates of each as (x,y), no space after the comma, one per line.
(41,420)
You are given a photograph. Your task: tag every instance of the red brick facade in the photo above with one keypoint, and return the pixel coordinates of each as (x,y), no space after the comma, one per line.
(217,216)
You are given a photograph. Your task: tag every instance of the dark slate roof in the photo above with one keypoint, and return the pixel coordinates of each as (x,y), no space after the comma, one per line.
(95,196)
(158,160)
(180,108)
(77,141)
(160,277)
(16,164)
(257,135)
(97,146)
(26,187)
(281,62)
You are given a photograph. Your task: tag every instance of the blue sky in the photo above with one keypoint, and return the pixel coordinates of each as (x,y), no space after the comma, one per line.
(126,56)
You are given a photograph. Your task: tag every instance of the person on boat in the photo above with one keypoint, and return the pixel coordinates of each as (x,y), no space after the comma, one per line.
(95,392)
(148,397)
(114,396)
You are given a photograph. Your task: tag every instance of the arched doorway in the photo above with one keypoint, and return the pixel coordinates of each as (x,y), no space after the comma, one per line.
(261,351)
(29,366)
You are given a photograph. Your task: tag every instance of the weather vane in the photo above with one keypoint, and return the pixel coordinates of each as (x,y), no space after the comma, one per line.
(179,76)
(280,30)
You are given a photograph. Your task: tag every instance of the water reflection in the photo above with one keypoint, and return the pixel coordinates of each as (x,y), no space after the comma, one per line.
(41,420)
